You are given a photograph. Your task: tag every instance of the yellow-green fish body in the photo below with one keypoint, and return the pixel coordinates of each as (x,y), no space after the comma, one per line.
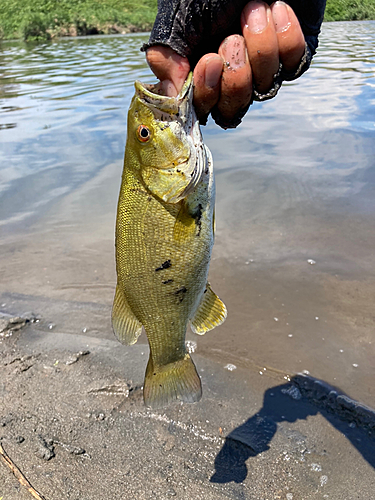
(164,237)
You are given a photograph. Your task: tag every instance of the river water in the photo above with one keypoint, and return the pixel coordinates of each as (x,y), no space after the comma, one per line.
(294,256)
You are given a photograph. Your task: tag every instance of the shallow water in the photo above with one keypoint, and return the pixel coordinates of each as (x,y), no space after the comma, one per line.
(295,182)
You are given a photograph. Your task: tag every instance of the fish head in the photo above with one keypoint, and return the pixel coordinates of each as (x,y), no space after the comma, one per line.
(164,141)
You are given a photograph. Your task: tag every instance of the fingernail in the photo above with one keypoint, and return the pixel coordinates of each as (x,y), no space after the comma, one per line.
(234,51)
(256,16)
(213,70)
(280,16)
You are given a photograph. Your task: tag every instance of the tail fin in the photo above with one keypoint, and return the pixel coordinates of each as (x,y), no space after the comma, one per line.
(166,384)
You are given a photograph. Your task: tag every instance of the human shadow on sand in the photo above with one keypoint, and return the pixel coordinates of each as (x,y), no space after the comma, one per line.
(296,400)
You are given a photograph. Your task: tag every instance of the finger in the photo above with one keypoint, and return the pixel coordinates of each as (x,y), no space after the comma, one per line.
(171,68)
(207,77)
(261,42)
(289,35)
(236,83)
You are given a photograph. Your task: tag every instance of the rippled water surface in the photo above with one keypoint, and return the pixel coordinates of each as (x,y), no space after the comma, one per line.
(295,184)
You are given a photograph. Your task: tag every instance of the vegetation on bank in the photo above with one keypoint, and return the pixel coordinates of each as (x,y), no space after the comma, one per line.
(349,10)
(45,19)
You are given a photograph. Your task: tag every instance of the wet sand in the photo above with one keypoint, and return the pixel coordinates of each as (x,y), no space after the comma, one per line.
(76,426)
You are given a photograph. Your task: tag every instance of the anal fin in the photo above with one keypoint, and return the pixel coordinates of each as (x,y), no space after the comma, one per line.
(125,325)
(210,313)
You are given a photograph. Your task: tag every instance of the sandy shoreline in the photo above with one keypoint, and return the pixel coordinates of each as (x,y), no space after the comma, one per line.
(74,422)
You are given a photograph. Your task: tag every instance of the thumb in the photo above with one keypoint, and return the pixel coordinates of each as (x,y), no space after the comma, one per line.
(171,68)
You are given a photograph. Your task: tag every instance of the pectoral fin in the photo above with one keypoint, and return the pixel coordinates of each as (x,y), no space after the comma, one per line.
(168,184)
(125,325)
(184,227)
(210,313)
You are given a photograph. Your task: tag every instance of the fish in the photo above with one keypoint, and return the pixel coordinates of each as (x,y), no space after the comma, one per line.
(164,238)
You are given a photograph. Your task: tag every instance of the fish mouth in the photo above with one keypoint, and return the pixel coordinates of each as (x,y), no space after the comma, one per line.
(179,113)
(174,106)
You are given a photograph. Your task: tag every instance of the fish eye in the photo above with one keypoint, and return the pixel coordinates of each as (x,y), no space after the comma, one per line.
(144,133)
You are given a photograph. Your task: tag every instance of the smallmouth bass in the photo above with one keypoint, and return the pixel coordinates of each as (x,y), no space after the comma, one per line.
(164,238)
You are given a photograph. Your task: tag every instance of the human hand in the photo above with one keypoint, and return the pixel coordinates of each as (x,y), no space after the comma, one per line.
(243,68)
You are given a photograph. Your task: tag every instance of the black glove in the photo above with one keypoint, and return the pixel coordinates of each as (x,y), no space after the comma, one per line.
(193,28)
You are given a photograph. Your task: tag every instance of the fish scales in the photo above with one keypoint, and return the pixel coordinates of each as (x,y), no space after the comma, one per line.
(164,238)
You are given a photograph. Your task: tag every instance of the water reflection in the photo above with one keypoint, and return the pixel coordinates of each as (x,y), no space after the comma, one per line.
(78,90)
(68,100)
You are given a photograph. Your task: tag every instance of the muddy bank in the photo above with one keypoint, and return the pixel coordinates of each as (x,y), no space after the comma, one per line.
(74,422)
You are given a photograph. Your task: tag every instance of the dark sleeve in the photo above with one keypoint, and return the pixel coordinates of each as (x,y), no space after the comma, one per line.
(195,27)
(310,15)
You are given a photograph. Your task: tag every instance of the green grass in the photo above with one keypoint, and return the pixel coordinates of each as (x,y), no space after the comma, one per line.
(43,19)
(349,10)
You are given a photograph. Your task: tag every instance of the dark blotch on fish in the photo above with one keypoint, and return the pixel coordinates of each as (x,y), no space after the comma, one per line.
(165,282)
(180,293)
(165,265)
(198,218)
(138,190)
